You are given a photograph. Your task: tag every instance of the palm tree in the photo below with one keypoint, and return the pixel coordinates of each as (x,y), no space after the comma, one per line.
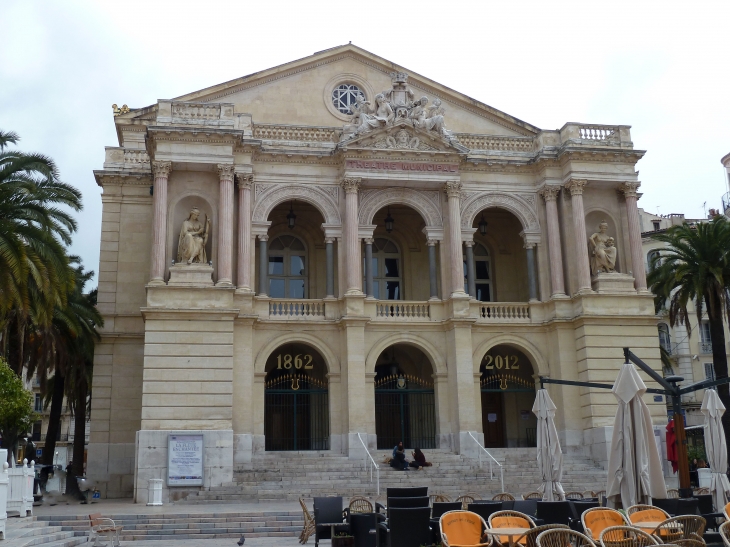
(34,227)
(695,267)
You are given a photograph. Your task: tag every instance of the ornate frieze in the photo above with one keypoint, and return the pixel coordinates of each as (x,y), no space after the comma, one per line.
(511,202)
(371,201)
(269,195)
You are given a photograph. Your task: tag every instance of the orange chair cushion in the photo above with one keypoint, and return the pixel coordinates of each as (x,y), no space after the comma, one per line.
(508,522)
(462,528)
(727,509)
(598,521)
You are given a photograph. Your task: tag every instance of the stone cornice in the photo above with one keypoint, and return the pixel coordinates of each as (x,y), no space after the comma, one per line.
(123,177)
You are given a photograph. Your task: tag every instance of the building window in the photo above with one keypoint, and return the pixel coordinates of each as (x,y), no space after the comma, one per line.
(38,407)
(483,271)
(344,96)
(656,225)
(705,338)
(287,268)
(665,340)
(652,260)
(709,371)
(386,270)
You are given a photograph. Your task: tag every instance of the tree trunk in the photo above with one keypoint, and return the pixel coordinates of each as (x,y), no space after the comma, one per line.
(54,420)
(77,469)
(719,359)
(16,339)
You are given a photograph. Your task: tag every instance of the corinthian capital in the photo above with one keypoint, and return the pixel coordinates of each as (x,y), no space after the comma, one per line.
(628,189)
(576,186)
(549,192)
(226,171)
(351,185)
(245,180)
(453,189)
(161,168)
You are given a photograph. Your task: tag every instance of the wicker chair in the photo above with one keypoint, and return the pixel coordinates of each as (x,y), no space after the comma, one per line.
(529,538)
(679,528)
(573,495)
(532,496)
(463,528)
(360,505)
(308,529)
(466,499)
(438,497)
(509,519)
(725,532)
(562,538)
(690,543)
(673,493)
(626,536)
(504,496)
(645,513)
(596,520)
(600,494)
(589,494)
(700,491)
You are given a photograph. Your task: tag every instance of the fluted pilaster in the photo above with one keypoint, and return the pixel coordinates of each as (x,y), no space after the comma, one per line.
(161,171)
(351,185)
(225,225)
(550,195)
(576,186)
(243,273)
(629,190)
(453,192)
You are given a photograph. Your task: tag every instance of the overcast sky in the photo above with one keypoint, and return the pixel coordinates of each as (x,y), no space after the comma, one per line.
(660,67)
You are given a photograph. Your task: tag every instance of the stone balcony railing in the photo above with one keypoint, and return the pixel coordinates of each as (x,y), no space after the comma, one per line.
(188,113)
(289,309)
(582,134)
(117,157)
(402,310)
(501,312)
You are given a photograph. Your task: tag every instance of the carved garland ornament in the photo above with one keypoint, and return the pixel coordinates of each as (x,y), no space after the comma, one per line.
(371,203)
(269,196)
(516,205)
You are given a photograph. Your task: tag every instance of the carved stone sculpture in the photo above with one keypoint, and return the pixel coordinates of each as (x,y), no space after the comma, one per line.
(192,240)
(603,251)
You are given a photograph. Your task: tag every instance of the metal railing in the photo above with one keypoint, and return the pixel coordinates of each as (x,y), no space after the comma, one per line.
(705,347)
(371,464)
(491,459)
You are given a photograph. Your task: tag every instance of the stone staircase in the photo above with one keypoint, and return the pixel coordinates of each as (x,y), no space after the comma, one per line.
(178,526)
(29,531)
(288,476)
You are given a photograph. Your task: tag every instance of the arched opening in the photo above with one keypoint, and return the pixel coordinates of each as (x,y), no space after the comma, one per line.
(405,406)
(296,399)
(482,273)
(387,270)
(508,393)
(288,267)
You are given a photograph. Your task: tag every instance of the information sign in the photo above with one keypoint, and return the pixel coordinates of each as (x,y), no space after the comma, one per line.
(185,460)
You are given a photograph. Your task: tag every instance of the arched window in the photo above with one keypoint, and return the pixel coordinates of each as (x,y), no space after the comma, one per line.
(665,341)
(386,270)
(287,268)
(651,257)
(483,270)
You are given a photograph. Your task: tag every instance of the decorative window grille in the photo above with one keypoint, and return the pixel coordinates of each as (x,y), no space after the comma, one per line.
(344,96)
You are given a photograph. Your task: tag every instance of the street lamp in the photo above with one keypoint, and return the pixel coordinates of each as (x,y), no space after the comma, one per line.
(291,218)
(389,222)
(483,226)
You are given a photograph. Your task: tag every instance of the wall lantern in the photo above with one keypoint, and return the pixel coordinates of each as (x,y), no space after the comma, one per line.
(483,226)
(389,222)
(291,218)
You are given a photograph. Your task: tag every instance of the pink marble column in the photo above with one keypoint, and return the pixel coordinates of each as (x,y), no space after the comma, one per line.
(225,225)
(243,277)
(579,228)
(550,195)
(453,191)
(161,170)
(351,186)
(632,214)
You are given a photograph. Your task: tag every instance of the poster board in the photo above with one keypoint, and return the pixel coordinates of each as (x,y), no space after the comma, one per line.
(185,460)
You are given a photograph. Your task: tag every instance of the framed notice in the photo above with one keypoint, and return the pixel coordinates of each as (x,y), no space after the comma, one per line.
(185,460)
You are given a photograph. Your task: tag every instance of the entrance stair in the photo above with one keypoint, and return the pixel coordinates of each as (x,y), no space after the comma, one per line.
(290,475)
(30,531)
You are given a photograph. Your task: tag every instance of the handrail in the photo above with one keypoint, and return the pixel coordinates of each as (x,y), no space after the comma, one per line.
(373,464)
(492,459)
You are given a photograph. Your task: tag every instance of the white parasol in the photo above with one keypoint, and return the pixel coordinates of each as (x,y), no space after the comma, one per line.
(715,448)
(549,454)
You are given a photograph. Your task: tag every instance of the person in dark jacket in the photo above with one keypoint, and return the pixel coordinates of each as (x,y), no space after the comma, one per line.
(419,460)
(399,458)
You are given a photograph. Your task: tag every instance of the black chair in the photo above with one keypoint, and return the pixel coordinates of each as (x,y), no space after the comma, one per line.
(326,512)
(670,505)
(706,509)
(687,506)
(579,507)
(487,502)
(555,512)
(409,492)
(406,527)
(360,526)
(485,510)
(437,509)
(528,507)
(407,503)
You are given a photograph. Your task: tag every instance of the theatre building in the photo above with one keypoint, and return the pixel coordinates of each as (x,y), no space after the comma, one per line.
(339,251)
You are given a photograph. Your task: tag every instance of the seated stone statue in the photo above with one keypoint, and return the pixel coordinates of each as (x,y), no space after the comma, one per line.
(602,251)
(192,240)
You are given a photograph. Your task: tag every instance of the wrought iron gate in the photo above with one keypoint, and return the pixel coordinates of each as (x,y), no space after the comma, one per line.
(405,410)
(296,413)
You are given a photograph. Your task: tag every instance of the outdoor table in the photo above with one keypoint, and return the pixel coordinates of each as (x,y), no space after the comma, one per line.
(332,526)
(511,533)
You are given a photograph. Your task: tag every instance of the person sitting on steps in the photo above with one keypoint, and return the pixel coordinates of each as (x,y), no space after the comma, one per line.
(399,458)
(419,460)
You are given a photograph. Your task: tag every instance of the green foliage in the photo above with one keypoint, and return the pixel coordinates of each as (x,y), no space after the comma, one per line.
(16,406)
(696,453)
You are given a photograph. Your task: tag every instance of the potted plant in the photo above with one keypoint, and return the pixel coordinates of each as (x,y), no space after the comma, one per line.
(343,539)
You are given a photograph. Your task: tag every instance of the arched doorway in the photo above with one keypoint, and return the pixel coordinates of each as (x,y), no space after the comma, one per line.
(508,393)
(405,407)
(296,399)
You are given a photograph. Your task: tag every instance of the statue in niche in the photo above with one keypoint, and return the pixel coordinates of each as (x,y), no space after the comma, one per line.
(192,240)
(602,251)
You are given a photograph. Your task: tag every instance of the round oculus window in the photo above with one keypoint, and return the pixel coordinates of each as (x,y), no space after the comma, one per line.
(344,96)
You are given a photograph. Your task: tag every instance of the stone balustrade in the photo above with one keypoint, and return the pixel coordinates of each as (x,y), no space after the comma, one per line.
(503,312)
(20,489)
(136,158)
(296,309)
(117,157)
(401,310)
(490,142)
(194,113)
(596,135)
(294,133)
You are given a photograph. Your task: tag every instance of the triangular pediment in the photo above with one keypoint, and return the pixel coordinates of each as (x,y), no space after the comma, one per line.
(401,136)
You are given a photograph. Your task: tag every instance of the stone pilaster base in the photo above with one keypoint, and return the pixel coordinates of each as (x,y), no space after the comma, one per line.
(613,283)
(191,275)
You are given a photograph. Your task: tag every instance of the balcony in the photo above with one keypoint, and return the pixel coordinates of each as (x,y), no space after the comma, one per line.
(502,312)
(705,347)
(296,309)
(402,310)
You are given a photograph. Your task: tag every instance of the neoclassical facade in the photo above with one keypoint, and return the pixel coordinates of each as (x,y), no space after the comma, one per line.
(337,251)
